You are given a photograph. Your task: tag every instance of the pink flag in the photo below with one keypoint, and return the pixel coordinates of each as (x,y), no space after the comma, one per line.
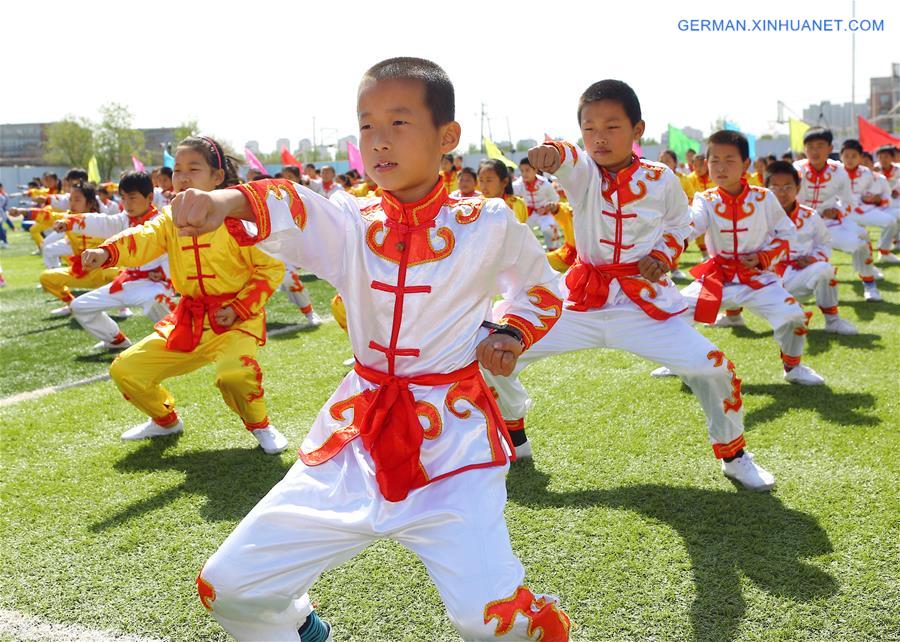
(636,148)
(253,161)
(547,138)
(138,165)
(355,158)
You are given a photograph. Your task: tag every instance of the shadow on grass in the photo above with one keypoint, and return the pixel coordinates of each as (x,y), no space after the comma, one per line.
(726,534)
(292,330)
(232,480)
(841,408)
(819,341)
(62,323)
(866,310)
(97,357)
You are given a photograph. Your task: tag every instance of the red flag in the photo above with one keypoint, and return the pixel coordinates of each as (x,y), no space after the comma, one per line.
(288,159)
(872,137)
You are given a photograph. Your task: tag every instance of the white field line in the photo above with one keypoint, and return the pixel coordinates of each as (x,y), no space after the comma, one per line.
(49,390)
(20,626)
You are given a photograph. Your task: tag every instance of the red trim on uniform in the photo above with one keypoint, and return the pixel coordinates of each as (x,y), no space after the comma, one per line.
(260,425)
(831,310)
(730,449)
(789,361)
(169,420)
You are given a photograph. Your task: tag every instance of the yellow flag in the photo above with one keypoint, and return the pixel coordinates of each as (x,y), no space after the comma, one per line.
(93,170)
(797,128)
(494,152)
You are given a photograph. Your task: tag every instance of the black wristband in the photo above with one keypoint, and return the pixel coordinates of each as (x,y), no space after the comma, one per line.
(503,328)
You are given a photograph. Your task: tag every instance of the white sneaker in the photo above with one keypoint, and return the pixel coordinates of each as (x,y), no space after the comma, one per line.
(804,375)
(889,258)
(271,441)
(349,363)
(870,293)
(748,473)
(107,345)
(678,275)
(662,371)
(313,319)
(523,451)
(151,429)
(878,274)
(63,311)
(733,321)
(122,313)
(840,326)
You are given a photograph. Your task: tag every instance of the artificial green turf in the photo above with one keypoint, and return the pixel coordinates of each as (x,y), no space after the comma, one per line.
(624,512)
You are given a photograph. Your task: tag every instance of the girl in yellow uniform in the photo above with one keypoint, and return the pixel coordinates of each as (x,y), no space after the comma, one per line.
(220,317)
(61,281)
(494,181)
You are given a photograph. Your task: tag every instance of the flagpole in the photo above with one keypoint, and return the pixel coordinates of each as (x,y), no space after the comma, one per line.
(853,73)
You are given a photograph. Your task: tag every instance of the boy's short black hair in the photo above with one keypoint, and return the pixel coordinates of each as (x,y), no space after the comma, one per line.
(818,133)
(139,182)
(731,137)
(886,149)
(440,97)
(166,171)
(448,158)
(525,161)
(76,174)
(868,155)
(309,166)
(671,152)
(293,170)
(782,167)
(614,90)
(852,143)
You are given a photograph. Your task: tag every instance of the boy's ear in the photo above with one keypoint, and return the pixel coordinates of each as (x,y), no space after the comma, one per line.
(639,130)
(746,164)
(450,135)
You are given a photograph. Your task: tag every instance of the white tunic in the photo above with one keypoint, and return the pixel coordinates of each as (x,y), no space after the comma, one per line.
(622,218)
(414,307)
(824,190)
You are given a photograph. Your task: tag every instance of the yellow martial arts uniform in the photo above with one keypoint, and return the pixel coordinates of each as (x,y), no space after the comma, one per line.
(61,281)
(562,258)
(210,272)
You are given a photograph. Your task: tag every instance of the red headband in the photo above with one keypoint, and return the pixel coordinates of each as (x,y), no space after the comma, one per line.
(215,147)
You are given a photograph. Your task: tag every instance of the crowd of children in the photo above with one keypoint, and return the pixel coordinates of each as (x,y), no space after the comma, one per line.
(433,406)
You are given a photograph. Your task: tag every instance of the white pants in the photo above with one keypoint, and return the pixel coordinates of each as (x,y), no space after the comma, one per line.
(880,217)
(55,246)
(772,302)
(553,236)
(815,279)
(673,343)
(293,288)
(850,237)
(88,309)
(318,517)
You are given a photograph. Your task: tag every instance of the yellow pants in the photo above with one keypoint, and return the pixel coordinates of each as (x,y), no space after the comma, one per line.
(339,312)
(35,231)
(58,281)
(140,369)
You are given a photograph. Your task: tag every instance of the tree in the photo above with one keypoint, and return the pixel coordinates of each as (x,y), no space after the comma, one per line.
(69,142)
(185,129)
(115,141)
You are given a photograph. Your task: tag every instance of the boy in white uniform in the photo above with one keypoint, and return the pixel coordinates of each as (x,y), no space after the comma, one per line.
(147,286)
(869,208)
(542,202)
(411,445)
(826,189)
(747,232)
(631,220)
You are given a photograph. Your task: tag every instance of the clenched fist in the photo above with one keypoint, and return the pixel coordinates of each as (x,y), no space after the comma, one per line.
(499,353)
(544,158)
(652,269)
(226,316)
(60,226)
(92,259)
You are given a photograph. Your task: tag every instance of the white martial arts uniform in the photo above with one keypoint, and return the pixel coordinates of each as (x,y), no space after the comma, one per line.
(147,286)
(830,188)
(818,278)
(752,222)
(332,188)
(294,289)
(415,311)
(160,199)
(54,248)
(538,195)
(864,183)
(618,221)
